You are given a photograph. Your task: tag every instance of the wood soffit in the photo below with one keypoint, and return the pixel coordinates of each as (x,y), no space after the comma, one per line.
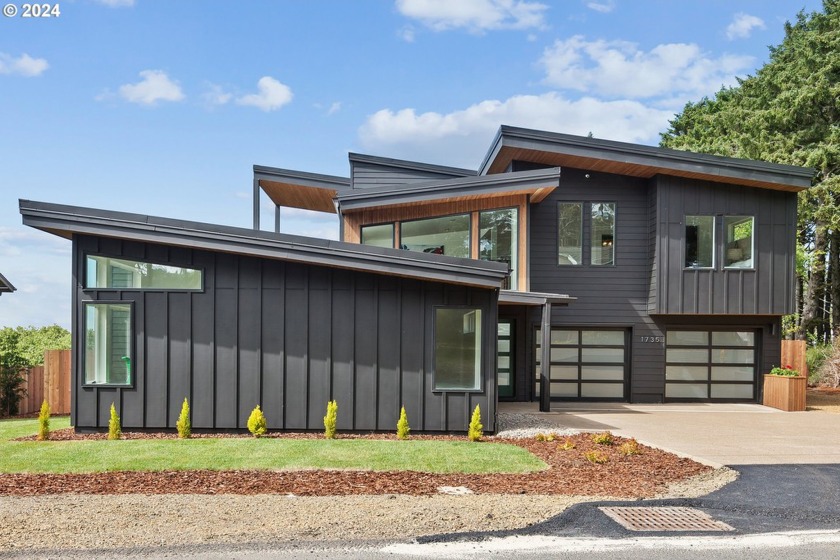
(300,196)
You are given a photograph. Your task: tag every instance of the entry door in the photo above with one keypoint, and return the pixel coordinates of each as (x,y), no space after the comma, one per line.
(504,360)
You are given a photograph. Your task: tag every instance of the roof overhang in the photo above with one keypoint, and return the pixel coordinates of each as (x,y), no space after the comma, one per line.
(299,189)
(511,297)
(536,185)
(67,221)
(564,150)
(5,286)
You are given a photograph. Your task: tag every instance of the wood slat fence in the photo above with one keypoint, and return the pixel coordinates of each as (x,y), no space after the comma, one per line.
(793,354)
(50,381)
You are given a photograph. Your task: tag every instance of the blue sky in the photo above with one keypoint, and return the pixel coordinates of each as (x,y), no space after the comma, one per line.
(162,107)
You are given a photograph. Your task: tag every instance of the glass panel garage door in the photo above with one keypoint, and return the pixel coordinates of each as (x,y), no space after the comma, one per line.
(585,364)
(710,365)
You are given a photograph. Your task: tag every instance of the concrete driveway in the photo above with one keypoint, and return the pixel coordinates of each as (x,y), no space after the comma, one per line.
(717,434)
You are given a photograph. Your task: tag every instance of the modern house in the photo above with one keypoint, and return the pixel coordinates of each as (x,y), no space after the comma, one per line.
(5,286)
(563,268)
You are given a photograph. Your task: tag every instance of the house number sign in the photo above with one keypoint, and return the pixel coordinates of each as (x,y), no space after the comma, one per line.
(653,339)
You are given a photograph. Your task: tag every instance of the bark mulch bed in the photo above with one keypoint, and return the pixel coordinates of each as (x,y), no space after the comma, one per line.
(569,473)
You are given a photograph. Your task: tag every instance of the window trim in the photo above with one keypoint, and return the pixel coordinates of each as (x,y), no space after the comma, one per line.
(580,204)
(513,277)
(481,341)
(87,289)
(132,345)
(724,242)
(614,233)
(715,251)
(468,214)
(393,232)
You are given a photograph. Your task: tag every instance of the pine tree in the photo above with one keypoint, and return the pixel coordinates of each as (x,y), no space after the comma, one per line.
(402,425)
(183,424)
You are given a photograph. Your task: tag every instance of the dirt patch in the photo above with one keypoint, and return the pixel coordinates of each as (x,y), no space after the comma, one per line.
(570,473)
(826,399)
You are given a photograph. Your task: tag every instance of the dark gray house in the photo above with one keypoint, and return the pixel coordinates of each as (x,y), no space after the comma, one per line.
(446,291)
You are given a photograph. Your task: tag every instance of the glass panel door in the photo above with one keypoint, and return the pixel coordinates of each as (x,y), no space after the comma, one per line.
(505,365)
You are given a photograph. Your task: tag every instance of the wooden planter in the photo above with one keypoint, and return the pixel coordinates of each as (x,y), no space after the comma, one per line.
(785,393)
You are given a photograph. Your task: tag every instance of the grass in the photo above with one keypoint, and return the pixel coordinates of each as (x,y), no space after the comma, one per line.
(250,453)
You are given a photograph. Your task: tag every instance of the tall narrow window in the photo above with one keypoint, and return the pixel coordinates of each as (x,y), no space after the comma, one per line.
(381,235)
(458,346)
(738,232)
(603,233)
(447,235)
(107,343)
(497,239)
(107,272)
(569,233)
(699,241)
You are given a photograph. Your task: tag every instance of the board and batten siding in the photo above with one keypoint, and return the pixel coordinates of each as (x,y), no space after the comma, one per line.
(766,290)
(287,336)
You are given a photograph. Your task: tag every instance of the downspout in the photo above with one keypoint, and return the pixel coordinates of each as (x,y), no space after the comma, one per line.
(545,359)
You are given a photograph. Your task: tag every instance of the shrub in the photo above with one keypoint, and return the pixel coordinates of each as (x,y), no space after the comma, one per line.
(829,372)
(183,424)
(44,422)
(784,371)
(402,425)
(630,447)
(114,427)
(596,457)
(545,437)
(330,419)
(604,438)
(567,445)
(256,422)
(815,357)
(476,427)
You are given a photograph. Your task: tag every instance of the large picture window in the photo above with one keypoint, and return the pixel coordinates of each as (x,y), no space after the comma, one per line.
(603,233)
(738,231)
(569,233)
(107,272)
(497,239)
(107,355)
(458,345)
(447,235)
(699,241)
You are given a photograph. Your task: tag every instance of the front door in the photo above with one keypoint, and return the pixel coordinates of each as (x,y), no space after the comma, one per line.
(504,361)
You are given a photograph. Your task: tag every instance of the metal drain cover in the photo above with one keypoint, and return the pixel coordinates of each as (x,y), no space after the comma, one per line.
(664,519)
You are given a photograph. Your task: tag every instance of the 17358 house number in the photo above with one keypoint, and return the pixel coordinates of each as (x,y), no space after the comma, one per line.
(653,339)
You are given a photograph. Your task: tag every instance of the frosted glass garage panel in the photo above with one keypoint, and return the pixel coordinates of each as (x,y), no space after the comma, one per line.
(686,391)
(687,338)
(564,354)
(687,355)
(504,346)
(729,356)
(602,390)
(607,355)
(736,373)
(733,339)
(605,373)
(732,391)
(503,362)
(562,337)
(564,390)
(686,373)
(603,338)
(563,372)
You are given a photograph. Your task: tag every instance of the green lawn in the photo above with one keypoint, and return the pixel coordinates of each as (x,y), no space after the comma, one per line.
(242,453)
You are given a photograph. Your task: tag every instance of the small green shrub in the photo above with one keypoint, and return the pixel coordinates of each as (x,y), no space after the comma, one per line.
(596,457)
(476,427)
(44,422)
(402,425)
(330,419)
(256,422)
(630,447)
(183,424)
(114,426)
(815,357)
(784,371)
(567,445)
(604,438)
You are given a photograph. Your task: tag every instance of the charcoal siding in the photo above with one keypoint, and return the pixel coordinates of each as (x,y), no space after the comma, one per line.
(365,174)
(287,336)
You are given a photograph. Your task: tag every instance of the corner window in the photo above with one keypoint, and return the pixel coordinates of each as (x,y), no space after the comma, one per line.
(458,346)
(379,236)
(699,241)
(603,233)
(738,232)
(569,233)
(497,239)
(447,235)
(106,272)
(107,355)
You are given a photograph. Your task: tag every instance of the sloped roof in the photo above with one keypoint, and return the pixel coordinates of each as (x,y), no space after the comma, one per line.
(6,286)
(299,189)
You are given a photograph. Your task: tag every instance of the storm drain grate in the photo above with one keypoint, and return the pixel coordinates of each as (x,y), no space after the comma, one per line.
(664,519)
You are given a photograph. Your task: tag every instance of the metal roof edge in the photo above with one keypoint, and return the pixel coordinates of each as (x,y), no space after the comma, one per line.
(276,173)
(6,287)
(415,165)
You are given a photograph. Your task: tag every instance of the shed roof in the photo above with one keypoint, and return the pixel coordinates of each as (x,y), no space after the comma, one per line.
(411,165)
(6,286)
(299,189)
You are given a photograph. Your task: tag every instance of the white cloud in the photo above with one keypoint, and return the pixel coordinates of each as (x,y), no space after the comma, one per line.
(406,34)
(461,137)
(619,69)
(116,3)
(603,7)
(155,86)
(215,95)
(24,65)
(742,26)
(335,107)
(474,15)
(271,95)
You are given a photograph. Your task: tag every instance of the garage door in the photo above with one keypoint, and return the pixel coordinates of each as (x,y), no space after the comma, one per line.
(710,365)
(585,363)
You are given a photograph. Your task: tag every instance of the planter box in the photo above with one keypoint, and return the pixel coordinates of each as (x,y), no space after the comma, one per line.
(785,393)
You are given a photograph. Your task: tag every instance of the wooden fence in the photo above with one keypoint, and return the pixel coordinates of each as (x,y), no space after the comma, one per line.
(50,381)
(793,354)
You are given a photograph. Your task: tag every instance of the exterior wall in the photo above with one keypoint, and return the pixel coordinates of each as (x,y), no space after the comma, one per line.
(366,174)
(768,289)
(287,336)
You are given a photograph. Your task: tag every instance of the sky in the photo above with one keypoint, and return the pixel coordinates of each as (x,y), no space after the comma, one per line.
(163,107)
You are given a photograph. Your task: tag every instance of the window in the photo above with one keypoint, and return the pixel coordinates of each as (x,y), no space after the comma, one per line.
(106,272)
(569,233)
(497,239)
(378,236)
(447,235)
(738,232)
(107,353)
(699,241)
(458,346)
(603,233)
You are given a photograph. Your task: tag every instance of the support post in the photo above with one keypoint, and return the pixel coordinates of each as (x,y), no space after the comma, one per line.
(545,359)
(276,218)
(256,203)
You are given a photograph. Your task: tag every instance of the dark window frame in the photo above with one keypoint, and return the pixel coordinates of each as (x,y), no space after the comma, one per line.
(512,280)
(132,345)
(715,240)
(393,232)
(86,289)
(586,234)
(468,214)
(481,342)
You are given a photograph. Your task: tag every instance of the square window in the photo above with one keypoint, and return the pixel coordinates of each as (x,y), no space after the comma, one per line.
(107,355)
(381,235)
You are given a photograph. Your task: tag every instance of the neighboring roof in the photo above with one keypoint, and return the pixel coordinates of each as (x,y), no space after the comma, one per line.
(65,221)
(5,286)
(511,297)
(565,150)
(538,184)
(299,189)
(411,165)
